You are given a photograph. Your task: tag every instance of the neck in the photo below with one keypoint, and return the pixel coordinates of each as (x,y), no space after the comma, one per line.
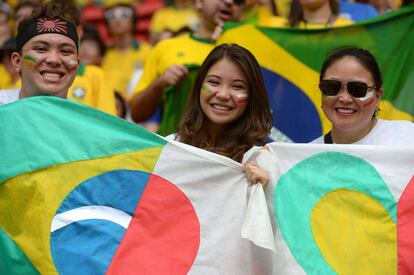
(214,132)
(321,15)
(25,93)
(123,41)
(204,30)
(347,137)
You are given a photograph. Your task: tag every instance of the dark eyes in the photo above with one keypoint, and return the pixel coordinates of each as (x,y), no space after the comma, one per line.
(213,82)
(40,49)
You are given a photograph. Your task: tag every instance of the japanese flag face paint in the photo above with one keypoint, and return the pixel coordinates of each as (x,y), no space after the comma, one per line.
(73,64)
(240,97)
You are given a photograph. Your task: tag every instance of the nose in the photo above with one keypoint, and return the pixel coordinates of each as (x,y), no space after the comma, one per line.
(53,58)
(343,94)
(223,93)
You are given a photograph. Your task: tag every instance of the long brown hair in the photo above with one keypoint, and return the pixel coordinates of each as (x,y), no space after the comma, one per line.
(251,128)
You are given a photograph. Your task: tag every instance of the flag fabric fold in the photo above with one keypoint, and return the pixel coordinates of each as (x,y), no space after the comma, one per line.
(82,191)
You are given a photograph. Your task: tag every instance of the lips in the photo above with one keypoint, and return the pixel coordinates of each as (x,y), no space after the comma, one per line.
(345,111)
(221,107)
(51,76)
(225,14)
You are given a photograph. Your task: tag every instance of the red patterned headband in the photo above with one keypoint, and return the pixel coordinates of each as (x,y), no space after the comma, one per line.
(46,25)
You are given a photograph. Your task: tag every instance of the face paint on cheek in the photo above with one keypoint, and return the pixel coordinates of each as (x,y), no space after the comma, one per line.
(29,61)
(241,98)
(369,102)
(367,96)
(73,64)
(206,90)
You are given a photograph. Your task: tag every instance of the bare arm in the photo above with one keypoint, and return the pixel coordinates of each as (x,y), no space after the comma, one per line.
(144,104)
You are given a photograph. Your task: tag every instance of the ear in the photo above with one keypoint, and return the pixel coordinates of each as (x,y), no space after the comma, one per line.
(16,61)
(379,93)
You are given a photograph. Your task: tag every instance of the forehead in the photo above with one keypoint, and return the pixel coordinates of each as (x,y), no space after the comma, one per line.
(227,68)
(52,39)
(348,66)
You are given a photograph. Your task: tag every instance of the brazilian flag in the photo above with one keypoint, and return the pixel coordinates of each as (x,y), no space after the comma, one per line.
(291,60)
(174,102)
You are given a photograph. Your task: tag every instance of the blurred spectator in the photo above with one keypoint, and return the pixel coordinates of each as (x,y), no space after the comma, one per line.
(356,11)
(126,55)
(257,11)
(6,13)
(23,10)
(10,78)
(382,6)
(92,48)
(5,33)
(176,15)
(312,14)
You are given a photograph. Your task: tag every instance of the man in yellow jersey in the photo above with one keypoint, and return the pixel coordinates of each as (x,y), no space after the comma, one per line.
(166,64)
(126,55)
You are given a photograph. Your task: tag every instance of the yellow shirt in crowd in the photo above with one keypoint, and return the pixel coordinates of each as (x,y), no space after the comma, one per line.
(91,87)
(184,49)
(120,66)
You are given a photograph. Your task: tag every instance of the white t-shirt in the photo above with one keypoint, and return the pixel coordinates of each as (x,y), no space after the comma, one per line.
(386,132)
(9,96)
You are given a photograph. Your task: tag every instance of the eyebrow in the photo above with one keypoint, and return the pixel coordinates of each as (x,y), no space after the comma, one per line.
(60,45)
(234,80)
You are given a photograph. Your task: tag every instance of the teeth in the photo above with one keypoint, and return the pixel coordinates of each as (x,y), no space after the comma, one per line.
(220,107)
(347,111)
(51,76)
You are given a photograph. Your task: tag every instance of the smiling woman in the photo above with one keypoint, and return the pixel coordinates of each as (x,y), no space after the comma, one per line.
(351,87)
(228,110)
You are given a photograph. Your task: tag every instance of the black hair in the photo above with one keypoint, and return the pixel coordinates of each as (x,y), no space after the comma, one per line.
(363,56)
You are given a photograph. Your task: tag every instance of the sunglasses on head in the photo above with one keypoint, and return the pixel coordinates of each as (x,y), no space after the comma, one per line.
(355,88)
(119,12)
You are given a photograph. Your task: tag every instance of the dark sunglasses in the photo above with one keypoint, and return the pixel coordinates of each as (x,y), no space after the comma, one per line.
(239,2)
(355,88)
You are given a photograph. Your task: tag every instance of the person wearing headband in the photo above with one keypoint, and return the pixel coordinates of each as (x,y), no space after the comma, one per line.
(47,54)
(351,87)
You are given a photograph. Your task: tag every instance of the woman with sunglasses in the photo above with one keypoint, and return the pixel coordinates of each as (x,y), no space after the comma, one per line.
(351,86)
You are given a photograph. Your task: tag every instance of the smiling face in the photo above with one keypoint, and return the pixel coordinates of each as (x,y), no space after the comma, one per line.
(47,64)
(346,113)
(224,94)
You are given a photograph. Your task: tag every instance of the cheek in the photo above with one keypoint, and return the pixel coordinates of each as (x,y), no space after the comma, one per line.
(71,62)
(30,61)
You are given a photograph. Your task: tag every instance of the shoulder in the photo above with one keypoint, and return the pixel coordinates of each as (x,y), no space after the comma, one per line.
(171,137)
(9,96)
(319,140)
(396,125)
(391,132)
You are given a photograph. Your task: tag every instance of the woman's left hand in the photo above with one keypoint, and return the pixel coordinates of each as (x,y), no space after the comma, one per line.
(256,174)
